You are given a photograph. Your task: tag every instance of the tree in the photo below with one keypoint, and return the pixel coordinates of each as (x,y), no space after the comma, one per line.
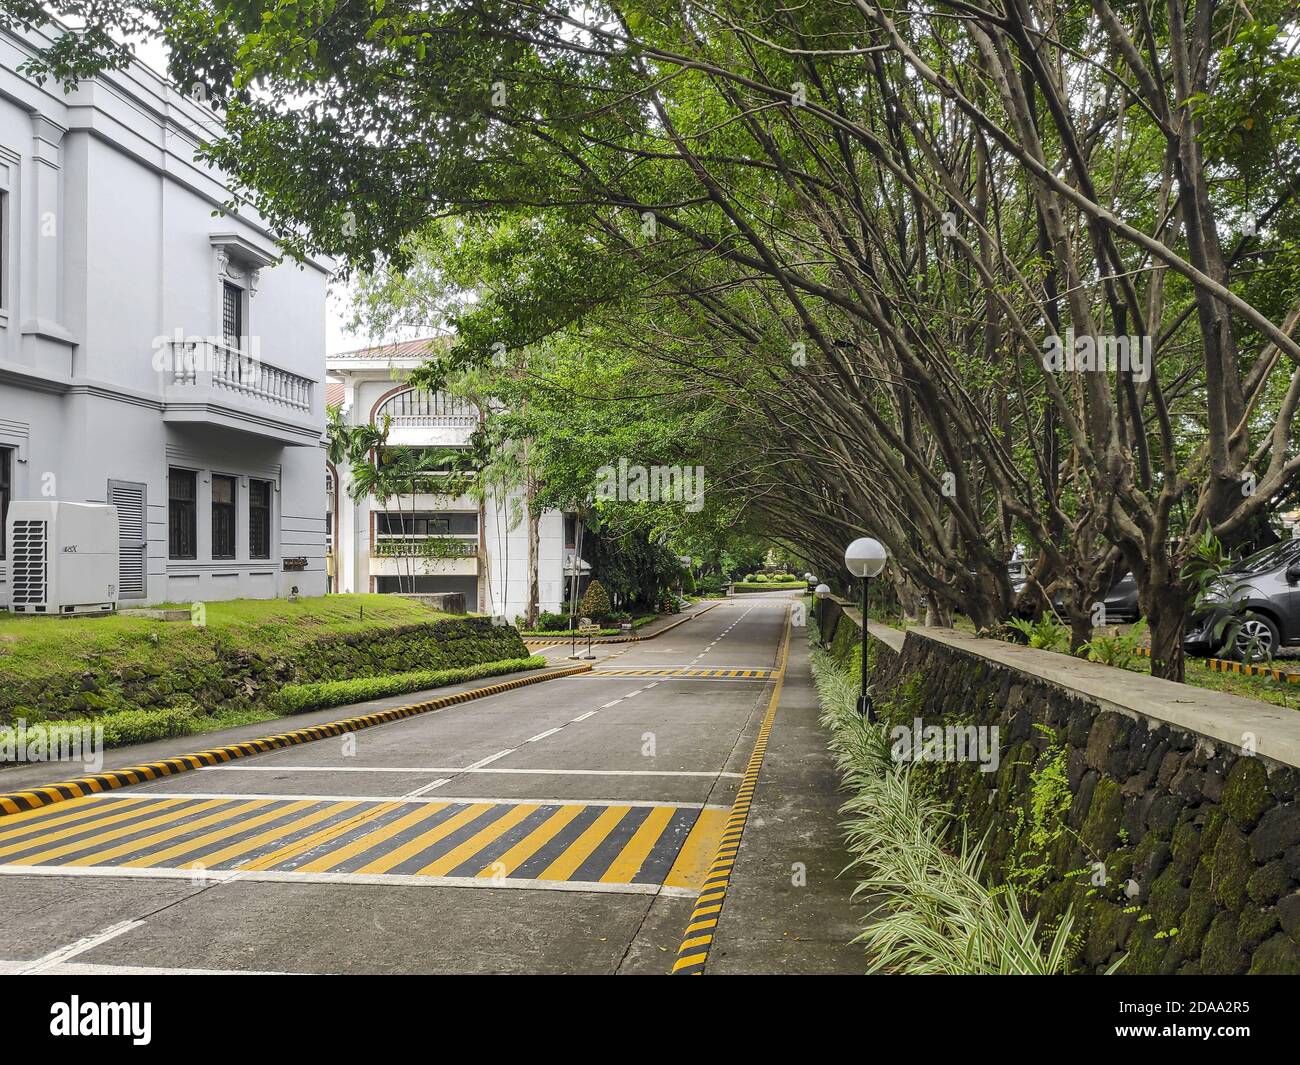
(595,601)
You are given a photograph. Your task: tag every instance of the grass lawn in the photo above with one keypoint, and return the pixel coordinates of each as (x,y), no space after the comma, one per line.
(32,646)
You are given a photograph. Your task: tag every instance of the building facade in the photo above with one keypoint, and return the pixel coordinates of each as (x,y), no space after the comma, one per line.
(429,543)
(153,353)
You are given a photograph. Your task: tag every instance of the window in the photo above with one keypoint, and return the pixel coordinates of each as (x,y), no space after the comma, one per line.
(412,525)
(223,517)
(6,473)
(259,519)
(182,523)
(232,313)
(4,248)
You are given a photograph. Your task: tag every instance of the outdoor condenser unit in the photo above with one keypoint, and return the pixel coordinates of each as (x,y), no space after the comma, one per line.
(63,557)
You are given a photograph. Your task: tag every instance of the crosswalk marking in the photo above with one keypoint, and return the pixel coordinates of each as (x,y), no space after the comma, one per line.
(464,851)
(567,863)
(99,816)
(688,671)
(426,839)
(628,863)
(320,836)
(363,843)
(75,845)
(531,844)
(599,846)
(100,857)
(209,838)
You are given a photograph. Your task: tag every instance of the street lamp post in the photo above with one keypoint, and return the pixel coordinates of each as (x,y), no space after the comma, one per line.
(821,592)
(865,558)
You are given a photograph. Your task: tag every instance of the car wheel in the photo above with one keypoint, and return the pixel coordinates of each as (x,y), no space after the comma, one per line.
(1255,638)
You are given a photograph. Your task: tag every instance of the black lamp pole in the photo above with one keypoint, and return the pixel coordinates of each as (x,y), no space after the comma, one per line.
(864,700)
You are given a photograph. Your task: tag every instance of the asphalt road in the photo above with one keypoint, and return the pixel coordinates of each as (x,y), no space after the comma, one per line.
(562,827)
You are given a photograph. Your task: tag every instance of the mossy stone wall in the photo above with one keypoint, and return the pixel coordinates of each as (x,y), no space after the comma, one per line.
(214,671)
(1173,851)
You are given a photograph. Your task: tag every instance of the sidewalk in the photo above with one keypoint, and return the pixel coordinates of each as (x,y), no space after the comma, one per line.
(769,925)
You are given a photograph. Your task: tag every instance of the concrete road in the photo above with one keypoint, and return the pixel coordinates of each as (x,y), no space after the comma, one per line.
(562,827)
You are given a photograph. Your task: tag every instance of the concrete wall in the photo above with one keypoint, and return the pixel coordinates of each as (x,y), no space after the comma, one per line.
(1141,805)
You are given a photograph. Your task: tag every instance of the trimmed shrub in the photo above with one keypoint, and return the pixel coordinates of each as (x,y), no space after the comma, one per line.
(595,601)
(297,698)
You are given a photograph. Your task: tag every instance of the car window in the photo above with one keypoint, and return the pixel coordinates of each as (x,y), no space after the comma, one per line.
(1270,558)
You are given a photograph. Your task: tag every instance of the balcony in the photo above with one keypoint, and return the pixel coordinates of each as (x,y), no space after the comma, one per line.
(425,555)
(208,382)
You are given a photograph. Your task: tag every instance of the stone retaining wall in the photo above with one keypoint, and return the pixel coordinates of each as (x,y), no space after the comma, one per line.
(1163,816)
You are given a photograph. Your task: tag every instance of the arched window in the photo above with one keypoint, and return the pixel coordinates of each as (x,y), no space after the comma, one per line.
(418,407)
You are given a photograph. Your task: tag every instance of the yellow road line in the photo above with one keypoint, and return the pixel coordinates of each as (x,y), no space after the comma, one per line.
(363,843)
(531,843)
(170,832)
(701,843)
(463,852)
(117,833)
(638,848)
(581,848)
(271,835)
(207,839)
(75,809)
(104,815)
(322,835)
(691,959)
(413,847)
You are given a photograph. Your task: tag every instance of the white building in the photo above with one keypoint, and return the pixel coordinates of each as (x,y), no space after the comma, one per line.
(429,543)
(151,354)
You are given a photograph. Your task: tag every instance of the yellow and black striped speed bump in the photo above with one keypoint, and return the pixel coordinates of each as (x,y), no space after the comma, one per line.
(18,801)
(737,674)
(549,641)
(693,954)
(1249,669)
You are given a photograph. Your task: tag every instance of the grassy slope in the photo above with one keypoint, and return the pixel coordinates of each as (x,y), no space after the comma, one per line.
(34,647)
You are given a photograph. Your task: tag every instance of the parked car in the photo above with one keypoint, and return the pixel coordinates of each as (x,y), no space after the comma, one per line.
(1121,601)
(1254,607)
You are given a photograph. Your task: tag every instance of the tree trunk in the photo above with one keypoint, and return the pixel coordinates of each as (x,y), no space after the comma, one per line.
(1080,629)
(534,538)
(1168,620)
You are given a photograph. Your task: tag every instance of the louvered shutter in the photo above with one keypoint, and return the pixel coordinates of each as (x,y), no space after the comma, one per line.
(129,498)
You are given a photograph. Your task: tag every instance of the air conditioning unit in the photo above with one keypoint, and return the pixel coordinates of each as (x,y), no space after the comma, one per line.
(63,557)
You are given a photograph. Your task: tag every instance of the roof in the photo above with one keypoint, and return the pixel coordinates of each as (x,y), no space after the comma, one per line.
(333,393)
(401,349)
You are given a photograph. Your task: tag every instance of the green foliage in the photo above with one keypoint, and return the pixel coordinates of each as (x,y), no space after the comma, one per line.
(296,698)
(931,912)
(1047,633)
(595,601)
(1120,650)
(1040,824)
(547,621)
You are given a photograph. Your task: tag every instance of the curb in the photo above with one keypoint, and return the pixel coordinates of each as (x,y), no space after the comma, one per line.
(543,641)
(19,801)
(697,940)
(1226,665)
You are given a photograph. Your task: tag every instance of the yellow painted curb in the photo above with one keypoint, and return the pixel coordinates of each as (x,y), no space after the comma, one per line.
(693,954)
(47,795)
(1226,665)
